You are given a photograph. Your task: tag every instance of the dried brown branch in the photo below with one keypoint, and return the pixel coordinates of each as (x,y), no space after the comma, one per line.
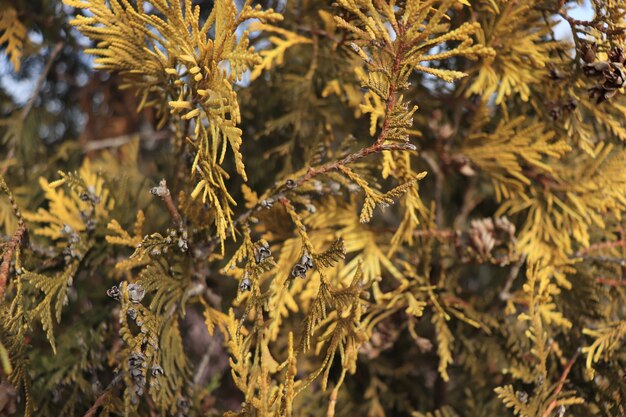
(102,398)
(611,282)
(40,81)
(601,246)
(595,23)
(10,249)
(391,97)
(373,149)
(559,388)
(440,234)
(164,193)
(117,141)
(505,293)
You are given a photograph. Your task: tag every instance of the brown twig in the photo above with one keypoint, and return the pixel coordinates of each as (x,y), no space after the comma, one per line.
(100,400)
(39,83)
(204,363)
(117,141)
(471,199)
(332,166)
(10,249)
(558,389)
(164,193)
(607,259)
(591,23)
(330,411)
(602,245)
(391,97)
(441,234)
(505,293)
(16,240)
(611,282)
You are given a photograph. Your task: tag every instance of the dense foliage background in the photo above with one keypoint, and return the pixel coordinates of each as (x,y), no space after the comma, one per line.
(352,208)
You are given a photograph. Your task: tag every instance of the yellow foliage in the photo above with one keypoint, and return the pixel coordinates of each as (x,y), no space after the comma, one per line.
(297,273)
(275,55)
(521,51)
(88,199)
(12,34)
(185,67)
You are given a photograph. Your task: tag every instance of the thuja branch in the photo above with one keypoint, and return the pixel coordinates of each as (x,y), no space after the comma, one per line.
(15,241)
(277,193)
(391,97)
(590,23)
(559,387)
(378,146)
(101,400)
(117,141)
(10,249)
(333,166)
(164,192)
(611,282)
(601,246)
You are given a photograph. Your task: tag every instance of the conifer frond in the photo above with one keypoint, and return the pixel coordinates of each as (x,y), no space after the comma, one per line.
(522,52)
(139,329)
(512,148)
(170,290)
(374,197)
(511,399)
(181,71)
(54,288)
(608,339)
(12,35)
(240,358)
(332,255)
(400,166)
(540,291)
(391,58)
(88,204)
(445,339)
(17,348)
(123,237)
(8,221)
(562,213)
(340,311)
(445,411)
(214,317)
(275,55)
